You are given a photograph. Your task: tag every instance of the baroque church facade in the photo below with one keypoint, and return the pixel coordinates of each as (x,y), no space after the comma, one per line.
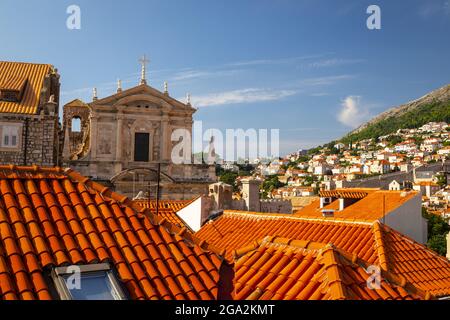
(124,141)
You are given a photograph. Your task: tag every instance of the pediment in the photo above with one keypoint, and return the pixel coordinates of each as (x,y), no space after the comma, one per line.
(142,94)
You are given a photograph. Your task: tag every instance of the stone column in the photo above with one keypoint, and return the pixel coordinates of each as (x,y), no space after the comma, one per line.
(165,139)
(94,133)
(119,146)
(66,148)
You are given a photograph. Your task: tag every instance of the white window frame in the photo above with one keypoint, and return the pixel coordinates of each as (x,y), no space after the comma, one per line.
(58,274)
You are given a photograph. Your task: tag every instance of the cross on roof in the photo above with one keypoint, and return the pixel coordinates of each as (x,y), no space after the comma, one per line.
(144,61)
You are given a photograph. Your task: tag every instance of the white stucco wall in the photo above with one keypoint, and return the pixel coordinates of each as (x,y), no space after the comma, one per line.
(196,213)
(407,219)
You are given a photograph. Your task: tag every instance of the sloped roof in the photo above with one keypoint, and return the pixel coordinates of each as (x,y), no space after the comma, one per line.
(286,269)
(13,75)
(50,217)
(370,208)
(352,193)
(372,242)
(76,103)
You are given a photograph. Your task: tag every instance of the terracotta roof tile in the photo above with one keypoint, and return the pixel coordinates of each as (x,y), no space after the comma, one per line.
(373,243)
(313,274)
(52,218)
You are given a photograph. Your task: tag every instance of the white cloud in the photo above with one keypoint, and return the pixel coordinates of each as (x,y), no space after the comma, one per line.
(335,62)
(201,74)
(430,8)
(328,80)
(276,61)
(240,96)
(353,113)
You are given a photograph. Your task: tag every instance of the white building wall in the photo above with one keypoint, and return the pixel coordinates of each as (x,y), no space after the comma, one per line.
(407,219)
(196,213)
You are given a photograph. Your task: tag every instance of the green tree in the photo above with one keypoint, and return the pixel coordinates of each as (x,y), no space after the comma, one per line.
(438,228)
(271,183)
(229,177)
(442,180)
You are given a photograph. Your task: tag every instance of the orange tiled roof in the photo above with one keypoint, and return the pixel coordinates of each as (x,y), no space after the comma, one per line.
(13,75)
(51,217)
(351,193)
(371,208)
(373,243)
(167,209)
(286,269)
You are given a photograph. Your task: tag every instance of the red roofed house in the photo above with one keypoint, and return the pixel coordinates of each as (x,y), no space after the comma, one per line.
(63,236)
(56,225)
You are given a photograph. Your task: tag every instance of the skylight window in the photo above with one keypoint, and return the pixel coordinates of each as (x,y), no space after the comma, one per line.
(87,282)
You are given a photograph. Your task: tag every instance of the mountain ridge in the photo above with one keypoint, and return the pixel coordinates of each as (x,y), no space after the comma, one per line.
(410,114)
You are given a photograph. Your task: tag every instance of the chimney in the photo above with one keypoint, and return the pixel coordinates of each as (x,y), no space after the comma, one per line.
(221,193)
(324,201)
(250,193)
(341,204)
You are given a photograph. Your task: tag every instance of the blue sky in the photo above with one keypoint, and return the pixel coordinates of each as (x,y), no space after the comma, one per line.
(310,68)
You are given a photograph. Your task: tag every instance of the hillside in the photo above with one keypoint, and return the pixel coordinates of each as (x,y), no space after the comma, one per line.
(435,106)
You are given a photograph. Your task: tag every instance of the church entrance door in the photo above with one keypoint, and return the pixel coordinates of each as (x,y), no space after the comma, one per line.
(141,146)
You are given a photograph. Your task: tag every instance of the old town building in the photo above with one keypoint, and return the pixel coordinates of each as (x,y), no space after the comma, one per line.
(29,105)
(125,140)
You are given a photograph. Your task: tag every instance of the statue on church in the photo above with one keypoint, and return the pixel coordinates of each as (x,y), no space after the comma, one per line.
(211,152)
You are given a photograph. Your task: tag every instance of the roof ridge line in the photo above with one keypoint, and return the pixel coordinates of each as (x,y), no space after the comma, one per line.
(295,244)
(154,219)
(330,259)
(380,245)
(263,215)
